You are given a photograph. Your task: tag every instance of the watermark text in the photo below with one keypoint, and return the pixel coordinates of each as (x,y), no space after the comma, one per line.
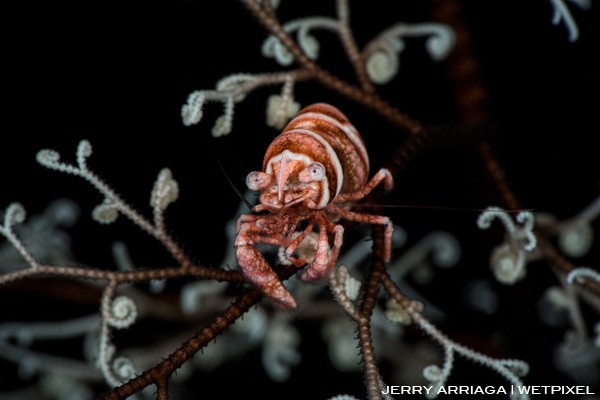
(467,390)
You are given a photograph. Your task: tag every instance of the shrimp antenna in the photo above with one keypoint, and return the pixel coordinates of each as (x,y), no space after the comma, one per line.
(222,168)
(428,207)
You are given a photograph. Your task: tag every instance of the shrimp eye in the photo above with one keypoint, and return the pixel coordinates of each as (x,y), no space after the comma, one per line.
(257,180)
(312,173)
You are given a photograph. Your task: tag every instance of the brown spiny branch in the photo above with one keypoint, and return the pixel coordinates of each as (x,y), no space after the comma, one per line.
(367,351)
(463,68)
(371,371)
(469,91)
(496,172)
(377,268)
(196,271)
(163,371)
(352,50)
(187,350)
(162,389)
(371,100)
(470,96)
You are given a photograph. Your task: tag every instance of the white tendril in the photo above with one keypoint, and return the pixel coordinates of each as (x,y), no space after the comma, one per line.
(562,13)
(508,260)
(575,235)
(157,285)
(489,214)
(338,333)
(118,313)
(62,212)
(122,257)
(576,240)
(106,353)
(123,313)
(352,287)
(229,91)
(382,53)
(253,326)
(112,204)
(164,192)
(280,108)
(232,84)
(438,376)
(106,212)
(192,111)
(15,214)
(382,66)
(25,333)
(51,159)
(309,43)
(84,150)
(197,295)
(280,351)
(273,48)
(123,368)
(508,264)
(445,249)
(439,44)
(224,123)
(578,274)
(509,369)
(526,218)
(338,283)
(396,313)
